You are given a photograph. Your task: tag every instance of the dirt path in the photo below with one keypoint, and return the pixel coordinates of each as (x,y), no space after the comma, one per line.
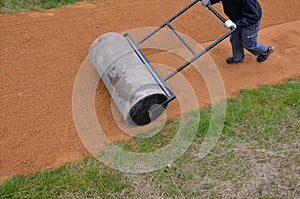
(41,52)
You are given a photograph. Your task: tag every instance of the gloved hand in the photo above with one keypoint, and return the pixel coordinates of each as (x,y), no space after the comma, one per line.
(205,2)
(229,24)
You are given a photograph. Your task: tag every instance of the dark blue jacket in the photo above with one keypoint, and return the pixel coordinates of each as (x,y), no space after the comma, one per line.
(243,12)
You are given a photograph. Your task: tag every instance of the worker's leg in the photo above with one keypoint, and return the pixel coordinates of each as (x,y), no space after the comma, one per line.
(237,47)
(249,40)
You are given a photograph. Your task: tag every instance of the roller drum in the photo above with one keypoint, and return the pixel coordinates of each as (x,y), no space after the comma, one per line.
(129,82)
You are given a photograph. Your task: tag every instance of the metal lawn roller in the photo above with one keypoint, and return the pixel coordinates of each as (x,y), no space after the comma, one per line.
(138,91)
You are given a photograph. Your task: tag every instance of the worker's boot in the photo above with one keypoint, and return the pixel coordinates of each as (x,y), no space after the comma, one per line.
(230,60)
(264,56)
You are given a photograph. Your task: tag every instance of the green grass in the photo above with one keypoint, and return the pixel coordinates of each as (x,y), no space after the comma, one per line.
(257,156)
(86,178)
(14,6)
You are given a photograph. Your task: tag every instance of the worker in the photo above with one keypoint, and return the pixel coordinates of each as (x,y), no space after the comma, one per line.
(245,17)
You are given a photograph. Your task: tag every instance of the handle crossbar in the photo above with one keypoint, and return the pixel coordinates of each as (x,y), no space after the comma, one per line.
(167,22)
(198,55)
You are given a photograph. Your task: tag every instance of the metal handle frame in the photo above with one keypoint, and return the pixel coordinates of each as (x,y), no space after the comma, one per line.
(162,81)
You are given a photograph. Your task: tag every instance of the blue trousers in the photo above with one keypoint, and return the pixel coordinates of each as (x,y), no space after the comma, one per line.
(246,38)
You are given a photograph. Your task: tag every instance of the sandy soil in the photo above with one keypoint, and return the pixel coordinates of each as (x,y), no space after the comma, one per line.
(41,53)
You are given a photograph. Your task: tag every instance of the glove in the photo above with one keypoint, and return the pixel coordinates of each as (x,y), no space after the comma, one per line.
(229,24)
(205,2)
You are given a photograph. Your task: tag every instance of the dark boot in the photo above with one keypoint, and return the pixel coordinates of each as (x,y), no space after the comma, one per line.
(263,57)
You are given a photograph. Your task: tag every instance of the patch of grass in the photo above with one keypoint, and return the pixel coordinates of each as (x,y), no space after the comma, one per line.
(14,6)
(257,156)
(84,179)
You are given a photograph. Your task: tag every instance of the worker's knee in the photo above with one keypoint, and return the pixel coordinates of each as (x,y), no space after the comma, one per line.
(235,39)
(249,42)
(249,36)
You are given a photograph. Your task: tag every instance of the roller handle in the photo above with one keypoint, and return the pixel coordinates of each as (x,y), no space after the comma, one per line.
(216,13)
